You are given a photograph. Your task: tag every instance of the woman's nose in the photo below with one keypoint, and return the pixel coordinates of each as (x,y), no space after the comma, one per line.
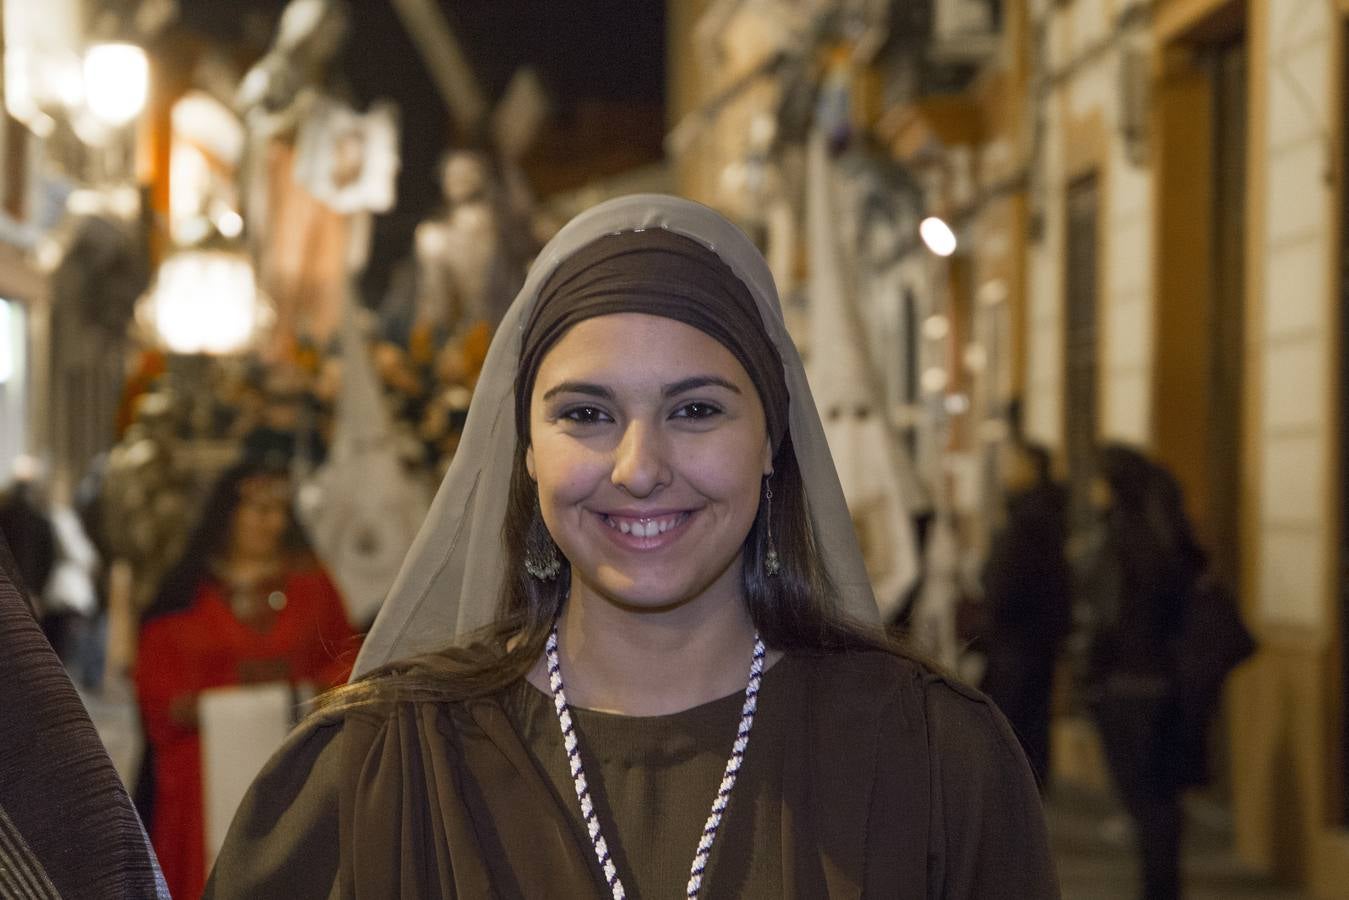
(639,461)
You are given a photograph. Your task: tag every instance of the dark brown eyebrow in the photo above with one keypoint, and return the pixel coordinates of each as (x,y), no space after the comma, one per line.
(579,387)
(695,382)
(670,390)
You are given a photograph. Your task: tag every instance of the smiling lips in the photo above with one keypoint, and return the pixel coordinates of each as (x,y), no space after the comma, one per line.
(645,532)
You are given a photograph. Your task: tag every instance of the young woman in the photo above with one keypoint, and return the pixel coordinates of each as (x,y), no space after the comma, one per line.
(675,687)
(246,604)
(1139,584)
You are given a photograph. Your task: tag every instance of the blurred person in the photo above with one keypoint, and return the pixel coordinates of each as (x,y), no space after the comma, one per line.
(28,529)
(1027,589)
(67,826)
(1139,584)
(245,604)
(644,534)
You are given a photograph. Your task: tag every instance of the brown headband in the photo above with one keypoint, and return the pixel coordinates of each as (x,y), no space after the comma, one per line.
(659,273)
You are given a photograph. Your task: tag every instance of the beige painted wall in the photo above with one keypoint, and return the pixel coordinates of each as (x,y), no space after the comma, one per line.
(1082,135)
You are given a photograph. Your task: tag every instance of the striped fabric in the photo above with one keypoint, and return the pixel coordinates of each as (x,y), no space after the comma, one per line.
(67,826)
(21,874)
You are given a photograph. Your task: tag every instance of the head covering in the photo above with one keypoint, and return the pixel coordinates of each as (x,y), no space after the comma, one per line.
(451,580)
(657,272)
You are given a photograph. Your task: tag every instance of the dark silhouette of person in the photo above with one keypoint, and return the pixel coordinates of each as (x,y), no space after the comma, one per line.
(1027,589)
(1139,585)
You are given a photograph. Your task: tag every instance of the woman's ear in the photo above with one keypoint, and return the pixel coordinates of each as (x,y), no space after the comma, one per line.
(767,456)
(529,463)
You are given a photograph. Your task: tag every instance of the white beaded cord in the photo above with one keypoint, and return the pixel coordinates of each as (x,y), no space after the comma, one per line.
(728,779)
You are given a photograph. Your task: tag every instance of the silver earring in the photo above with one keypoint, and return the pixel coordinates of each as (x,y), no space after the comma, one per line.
(772,566)
(542,559)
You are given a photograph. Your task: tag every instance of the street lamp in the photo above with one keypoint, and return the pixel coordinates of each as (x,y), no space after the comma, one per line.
(938,236)
(205,301)
(116,82)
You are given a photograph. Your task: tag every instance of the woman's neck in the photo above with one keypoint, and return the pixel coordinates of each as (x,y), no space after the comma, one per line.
(650,663)
(241,568)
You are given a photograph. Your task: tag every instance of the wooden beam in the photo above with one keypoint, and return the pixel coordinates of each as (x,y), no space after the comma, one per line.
(444,57)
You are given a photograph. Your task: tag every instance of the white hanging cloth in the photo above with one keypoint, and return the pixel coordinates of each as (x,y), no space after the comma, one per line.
(933,625)
(867,455)
(361,508)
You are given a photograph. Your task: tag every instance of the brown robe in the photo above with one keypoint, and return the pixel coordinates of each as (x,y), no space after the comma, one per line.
(890,782)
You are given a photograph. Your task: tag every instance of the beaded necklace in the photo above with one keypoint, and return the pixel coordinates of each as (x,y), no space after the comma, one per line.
(592,822)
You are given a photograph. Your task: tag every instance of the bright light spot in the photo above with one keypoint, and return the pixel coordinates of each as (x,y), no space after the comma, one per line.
(189,186)
(957,404)
(734,177)
(992,293)
(68,86)
(976,357)
(206,302)
(116,81)
(936,328)
(230,223)
(49,254)
(762,129)
(935,380)
(938,236)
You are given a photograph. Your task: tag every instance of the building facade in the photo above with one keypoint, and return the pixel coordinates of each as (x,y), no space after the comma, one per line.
(1184,290)
(1151,210)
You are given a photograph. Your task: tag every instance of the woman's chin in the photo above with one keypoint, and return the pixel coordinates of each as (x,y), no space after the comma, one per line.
(645,594)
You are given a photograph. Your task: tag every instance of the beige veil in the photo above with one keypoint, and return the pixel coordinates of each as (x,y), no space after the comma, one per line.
(450,582)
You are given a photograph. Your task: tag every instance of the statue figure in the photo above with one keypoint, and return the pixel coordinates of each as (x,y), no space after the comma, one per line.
(467,267)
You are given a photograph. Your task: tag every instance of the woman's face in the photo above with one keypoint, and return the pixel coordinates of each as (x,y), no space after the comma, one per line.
(649,447)
(261,518)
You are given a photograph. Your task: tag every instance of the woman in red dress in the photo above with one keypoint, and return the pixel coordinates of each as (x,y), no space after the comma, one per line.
(246,604)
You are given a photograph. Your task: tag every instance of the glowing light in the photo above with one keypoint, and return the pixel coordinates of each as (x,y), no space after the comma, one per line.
(938,236)
(935,380)
(230,223)
(936,328)
(205,301)
(116,82)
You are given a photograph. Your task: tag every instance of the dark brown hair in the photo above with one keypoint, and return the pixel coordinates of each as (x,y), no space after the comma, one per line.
(211,535)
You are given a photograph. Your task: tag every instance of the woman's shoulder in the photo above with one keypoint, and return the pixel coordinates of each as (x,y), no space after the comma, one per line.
(414,694)
(200,607)
(962,722)
(864,672)
(959,719)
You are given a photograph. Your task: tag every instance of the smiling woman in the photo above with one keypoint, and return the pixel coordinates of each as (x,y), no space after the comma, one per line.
(671,683)
(650,486)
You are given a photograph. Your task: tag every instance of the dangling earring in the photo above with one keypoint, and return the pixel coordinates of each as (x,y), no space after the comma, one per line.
(542,559)
(772,566)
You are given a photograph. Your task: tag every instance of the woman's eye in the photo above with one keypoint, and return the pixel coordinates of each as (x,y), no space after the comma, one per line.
(585,415)
(697,411)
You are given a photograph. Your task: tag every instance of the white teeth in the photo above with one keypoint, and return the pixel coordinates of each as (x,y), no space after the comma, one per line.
(645,527)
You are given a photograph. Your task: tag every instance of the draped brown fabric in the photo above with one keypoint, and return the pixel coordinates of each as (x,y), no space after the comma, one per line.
(874,778)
